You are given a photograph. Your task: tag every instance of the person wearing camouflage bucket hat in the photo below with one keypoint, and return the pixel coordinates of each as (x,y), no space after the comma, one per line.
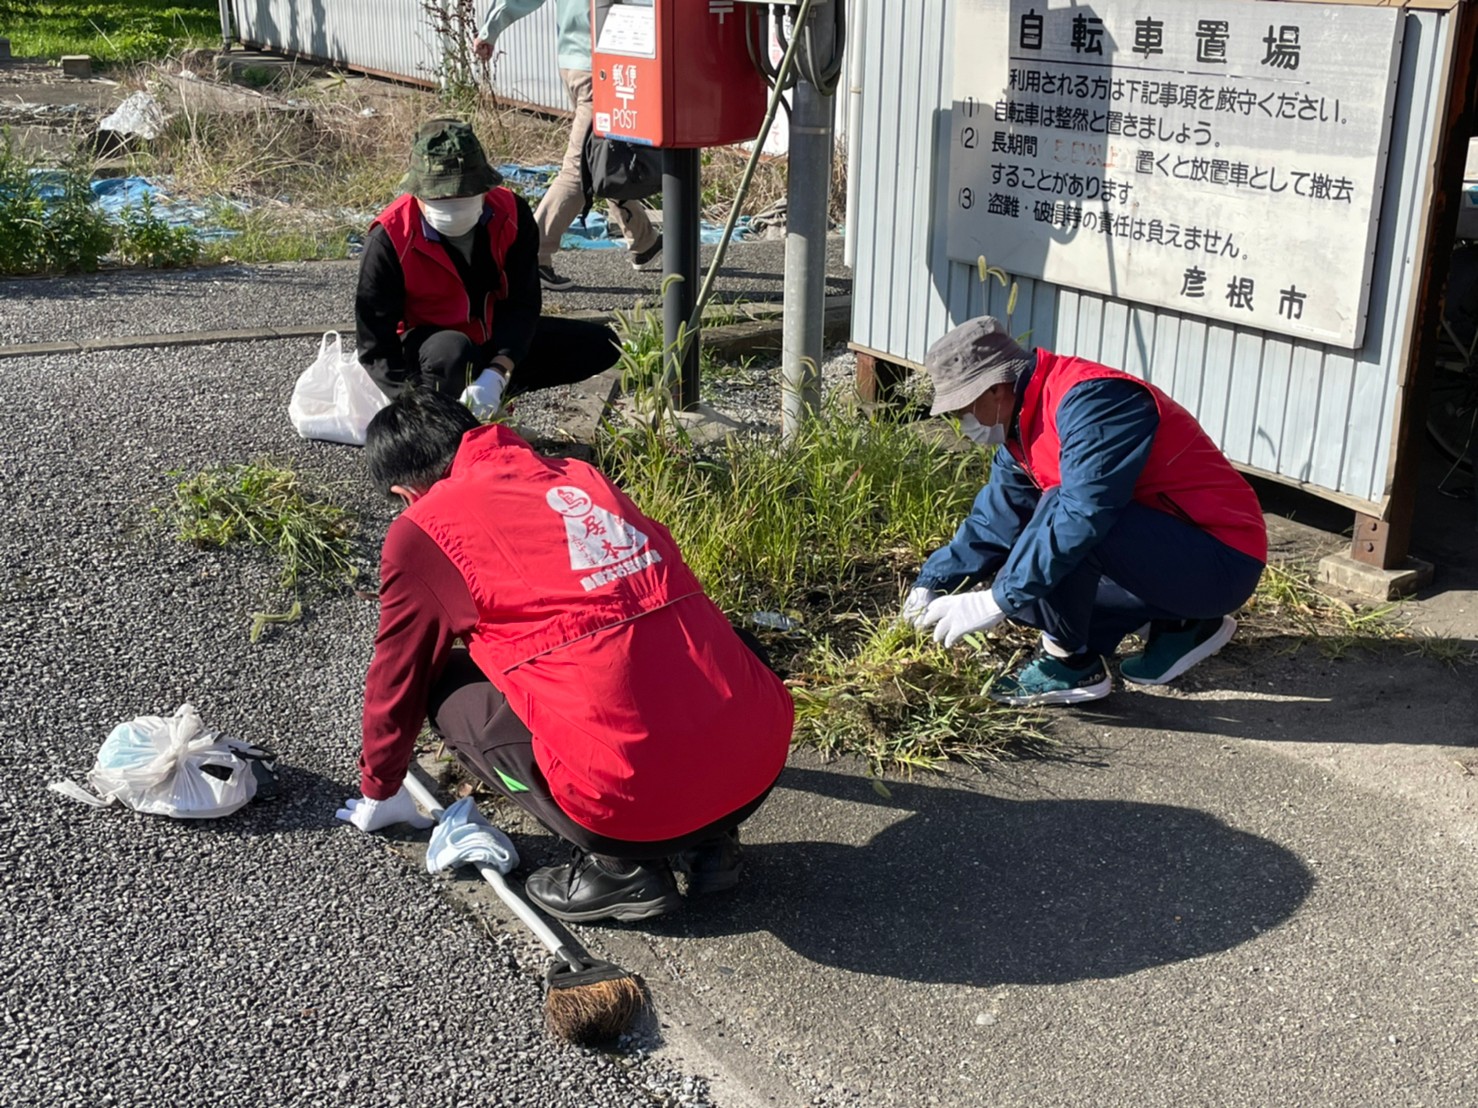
(1108,511)
(447,162)
(449,297)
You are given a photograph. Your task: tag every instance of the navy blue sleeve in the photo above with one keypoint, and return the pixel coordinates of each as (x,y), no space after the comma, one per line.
(1106,428)
(996,520)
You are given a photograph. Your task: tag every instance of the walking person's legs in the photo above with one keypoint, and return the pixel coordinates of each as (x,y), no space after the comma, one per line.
(565,197)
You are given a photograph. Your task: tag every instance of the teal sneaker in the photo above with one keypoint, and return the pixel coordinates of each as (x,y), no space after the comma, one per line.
(1049,680)
(1168,654)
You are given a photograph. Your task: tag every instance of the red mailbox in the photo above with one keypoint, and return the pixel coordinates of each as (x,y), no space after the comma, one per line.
(677,73)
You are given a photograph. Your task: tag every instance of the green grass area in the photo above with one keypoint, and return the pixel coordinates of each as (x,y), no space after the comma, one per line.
(120,32)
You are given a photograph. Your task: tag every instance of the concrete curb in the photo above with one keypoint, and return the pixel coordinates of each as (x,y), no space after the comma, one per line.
(761,333)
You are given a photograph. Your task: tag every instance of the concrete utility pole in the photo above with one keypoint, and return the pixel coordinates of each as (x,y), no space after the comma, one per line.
(807,193)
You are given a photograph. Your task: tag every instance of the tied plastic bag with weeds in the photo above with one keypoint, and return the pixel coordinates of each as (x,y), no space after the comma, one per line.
(172,766)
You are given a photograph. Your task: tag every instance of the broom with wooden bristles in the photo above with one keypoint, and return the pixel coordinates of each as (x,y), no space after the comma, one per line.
(586,1001)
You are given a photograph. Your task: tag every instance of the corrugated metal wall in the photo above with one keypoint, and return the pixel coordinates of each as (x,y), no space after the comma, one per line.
(385,36)
(1307,413)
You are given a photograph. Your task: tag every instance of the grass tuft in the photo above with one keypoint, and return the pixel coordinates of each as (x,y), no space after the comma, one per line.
(266,506)
(902,703)
(114,32)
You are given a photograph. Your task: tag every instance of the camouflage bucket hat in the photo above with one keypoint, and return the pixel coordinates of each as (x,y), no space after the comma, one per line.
(447,161)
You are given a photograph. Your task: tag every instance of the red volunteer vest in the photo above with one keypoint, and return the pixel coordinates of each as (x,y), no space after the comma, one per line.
(1185,475)
(434,293)
(650,719)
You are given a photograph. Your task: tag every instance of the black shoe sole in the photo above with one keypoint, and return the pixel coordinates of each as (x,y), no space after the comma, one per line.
(626,912)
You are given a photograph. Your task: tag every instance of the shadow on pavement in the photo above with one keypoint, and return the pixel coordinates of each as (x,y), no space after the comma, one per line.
(1280,690)
(980,890)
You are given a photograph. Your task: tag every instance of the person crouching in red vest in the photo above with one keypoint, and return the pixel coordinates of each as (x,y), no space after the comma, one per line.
(449,295)
(1108,509)
(599,688)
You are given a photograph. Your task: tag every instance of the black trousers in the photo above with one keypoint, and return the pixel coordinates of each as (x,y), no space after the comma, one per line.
(563,351)
(491,743)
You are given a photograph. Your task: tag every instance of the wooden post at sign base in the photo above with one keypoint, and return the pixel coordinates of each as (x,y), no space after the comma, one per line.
(879,380)
(1385,543)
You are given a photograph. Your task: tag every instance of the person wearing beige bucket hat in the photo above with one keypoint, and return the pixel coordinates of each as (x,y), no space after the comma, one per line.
(1108,509)
(449,297)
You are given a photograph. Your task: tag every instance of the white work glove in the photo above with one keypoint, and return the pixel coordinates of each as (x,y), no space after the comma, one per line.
(485,395)
(371,815)
(915,603)
(954,617)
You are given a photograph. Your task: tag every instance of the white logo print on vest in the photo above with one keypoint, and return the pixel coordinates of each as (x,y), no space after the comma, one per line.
(598,539)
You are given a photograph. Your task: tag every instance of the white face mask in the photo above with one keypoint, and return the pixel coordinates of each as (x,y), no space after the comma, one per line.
(975,431)
(453,217)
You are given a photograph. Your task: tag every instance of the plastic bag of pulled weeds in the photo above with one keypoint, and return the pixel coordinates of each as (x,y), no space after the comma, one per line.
(173,766)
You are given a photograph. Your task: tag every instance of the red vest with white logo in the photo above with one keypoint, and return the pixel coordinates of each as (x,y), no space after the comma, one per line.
(650,718)
(434,292)
(1185,475)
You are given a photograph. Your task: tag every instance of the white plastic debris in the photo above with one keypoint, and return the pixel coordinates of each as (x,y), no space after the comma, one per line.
(140,116)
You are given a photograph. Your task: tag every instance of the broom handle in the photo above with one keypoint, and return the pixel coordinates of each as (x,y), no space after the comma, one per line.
(494,877)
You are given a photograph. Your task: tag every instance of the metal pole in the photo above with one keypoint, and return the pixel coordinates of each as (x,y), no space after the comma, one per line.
(681,199)
(807,190)
(856,35)
(224,7)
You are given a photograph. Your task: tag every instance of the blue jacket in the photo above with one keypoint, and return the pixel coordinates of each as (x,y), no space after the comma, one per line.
(1107,428)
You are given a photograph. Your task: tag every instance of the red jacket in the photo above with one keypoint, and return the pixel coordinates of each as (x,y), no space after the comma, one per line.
(1185,475)
(650,718)
(434,293)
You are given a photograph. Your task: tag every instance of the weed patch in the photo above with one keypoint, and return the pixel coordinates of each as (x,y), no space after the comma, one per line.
(1289,604)
(267,506)
(900,702)
(143,238)
(826,529)
(48,223)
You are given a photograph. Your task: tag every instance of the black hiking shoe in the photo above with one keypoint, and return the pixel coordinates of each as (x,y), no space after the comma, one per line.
(651,254)
(713,866)
(553,281)
(591,888)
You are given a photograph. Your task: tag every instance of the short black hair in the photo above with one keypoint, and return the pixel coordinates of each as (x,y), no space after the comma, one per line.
(413,439)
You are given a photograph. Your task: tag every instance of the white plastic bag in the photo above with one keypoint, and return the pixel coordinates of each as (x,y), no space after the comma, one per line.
(335,398)
(170,767)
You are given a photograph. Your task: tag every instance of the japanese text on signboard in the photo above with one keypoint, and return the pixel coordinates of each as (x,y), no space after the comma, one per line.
(1222,159)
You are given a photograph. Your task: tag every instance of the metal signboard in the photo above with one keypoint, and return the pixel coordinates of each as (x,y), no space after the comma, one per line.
(1223,159)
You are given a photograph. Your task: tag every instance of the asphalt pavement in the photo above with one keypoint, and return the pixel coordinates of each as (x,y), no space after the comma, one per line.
(1253,888)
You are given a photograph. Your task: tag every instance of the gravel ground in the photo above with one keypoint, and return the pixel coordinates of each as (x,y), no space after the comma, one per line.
(275,956)
(321,294)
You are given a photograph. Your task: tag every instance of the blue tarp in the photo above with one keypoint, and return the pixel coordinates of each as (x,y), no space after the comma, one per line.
(115,195)
(593,233)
